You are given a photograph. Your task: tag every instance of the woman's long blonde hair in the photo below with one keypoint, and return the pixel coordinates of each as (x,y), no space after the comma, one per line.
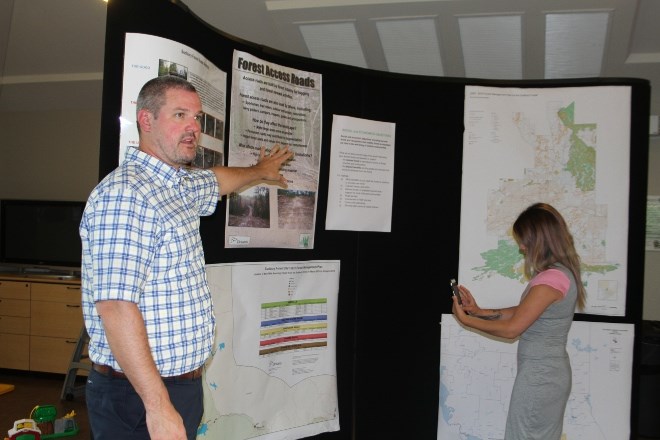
(545,236)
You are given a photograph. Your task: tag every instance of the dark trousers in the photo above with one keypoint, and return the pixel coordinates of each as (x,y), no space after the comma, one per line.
(116,411)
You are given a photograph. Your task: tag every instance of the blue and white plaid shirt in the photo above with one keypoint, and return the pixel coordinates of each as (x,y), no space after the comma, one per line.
(141,243)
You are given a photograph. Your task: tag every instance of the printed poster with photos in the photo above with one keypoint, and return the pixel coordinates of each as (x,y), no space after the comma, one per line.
(273,104)
(148,56)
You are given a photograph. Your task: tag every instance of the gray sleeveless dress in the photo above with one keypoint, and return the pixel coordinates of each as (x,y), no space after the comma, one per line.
(544,378)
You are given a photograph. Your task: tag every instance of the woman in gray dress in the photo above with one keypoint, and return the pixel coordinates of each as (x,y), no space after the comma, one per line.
(541,321)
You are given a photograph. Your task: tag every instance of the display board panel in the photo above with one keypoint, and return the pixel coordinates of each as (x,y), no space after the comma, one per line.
(393,286)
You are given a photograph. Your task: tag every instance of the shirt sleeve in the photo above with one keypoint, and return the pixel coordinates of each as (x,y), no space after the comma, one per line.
(123,232)
(554,278)
(206,191)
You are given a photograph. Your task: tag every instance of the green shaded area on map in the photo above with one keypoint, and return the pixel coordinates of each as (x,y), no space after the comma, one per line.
(599,268)
(504,261)
(582,157)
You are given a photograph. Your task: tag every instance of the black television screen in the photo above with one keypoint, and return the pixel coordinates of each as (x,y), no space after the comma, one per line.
(40,232)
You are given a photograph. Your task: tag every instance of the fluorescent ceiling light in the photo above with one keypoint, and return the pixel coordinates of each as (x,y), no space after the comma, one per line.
(336,42)
(282,5)
(492,46)
(411,46)
(574,44)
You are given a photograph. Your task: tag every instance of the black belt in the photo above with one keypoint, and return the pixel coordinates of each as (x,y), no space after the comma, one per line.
(111,372)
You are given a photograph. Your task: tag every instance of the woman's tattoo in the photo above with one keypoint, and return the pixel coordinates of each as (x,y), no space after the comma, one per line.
(497,314)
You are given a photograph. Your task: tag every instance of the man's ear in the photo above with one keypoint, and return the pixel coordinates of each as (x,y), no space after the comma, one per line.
(144,118)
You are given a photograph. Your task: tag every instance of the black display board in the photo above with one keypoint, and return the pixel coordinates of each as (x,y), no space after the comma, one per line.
(393,287)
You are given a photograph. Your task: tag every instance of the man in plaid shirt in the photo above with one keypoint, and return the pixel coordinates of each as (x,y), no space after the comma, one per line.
(146,302)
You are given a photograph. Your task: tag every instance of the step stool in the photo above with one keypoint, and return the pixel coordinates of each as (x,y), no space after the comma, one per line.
(70,389)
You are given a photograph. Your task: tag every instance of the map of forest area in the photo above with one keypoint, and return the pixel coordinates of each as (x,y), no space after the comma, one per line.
(567,147)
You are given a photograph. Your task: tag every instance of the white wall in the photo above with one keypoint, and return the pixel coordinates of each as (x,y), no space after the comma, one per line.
(49,155)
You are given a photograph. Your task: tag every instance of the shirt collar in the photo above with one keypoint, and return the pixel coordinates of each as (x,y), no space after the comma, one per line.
(164,171)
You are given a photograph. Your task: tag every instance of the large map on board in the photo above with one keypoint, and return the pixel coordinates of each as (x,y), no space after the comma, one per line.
(477,373)
(273,372)
(565,146)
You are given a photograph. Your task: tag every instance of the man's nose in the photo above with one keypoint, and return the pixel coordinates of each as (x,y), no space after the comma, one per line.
(195,124)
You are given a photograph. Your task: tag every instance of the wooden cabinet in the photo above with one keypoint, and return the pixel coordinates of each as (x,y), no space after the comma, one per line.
(40,322)
(55,323)
(14,325)
(56,311)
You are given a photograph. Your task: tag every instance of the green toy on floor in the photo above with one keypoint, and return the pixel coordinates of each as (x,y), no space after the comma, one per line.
(43,424)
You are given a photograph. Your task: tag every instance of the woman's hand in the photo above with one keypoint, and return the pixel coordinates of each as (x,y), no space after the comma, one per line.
(457,309)
(469,303)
